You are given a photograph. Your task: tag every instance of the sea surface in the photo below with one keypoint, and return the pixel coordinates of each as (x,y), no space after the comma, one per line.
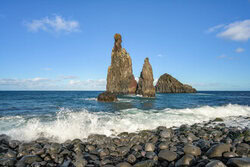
(63,115)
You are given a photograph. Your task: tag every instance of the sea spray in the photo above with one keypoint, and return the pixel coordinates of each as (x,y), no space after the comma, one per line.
(70,124)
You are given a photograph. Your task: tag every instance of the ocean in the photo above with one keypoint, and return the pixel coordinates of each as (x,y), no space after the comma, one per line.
(63,115)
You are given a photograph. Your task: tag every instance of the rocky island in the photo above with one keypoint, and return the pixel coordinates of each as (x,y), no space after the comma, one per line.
(121,81)
(168,84)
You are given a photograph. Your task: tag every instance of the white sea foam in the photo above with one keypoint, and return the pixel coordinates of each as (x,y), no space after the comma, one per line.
(71,125)
(90,99)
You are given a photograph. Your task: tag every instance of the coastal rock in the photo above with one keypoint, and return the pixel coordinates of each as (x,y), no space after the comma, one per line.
(215,163)
(167,155)
(186,160)
(120,78)
(217,150)
(239,162)
(193,150)
(145,85)
(168,84)
(107,97)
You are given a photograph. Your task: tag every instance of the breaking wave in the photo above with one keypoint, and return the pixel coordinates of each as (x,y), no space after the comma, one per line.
(68,124)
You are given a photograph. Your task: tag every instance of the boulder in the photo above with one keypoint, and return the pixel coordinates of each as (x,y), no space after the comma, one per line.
(145,85)
(218,150)
(120,78)
(167,155)
(168,84)
(107,97)
(239,162)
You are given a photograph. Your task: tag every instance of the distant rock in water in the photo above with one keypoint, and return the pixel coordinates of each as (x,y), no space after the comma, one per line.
(120,79)
(168,84)
(107,97)
(145,85)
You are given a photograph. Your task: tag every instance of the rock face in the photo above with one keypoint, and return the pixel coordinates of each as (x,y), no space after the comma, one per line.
(168,84)
(120,79)
(145,85)
(107,97)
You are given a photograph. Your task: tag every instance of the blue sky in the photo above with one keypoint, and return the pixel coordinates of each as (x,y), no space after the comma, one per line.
(66,45)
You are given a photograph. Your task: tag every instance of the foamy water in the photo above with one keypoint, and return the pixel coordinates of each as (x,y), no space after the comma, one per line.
(68,124)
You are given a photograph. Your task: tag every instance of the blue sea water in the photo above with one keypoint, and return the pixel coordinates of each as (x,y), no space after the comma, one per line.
(63,115)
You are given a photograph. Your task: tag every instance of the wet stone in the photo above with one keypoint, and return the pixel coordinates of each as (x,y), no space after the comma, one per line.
(242,149)
(229,155)
(7,161)
(147,163)
(167,155)
(186,160)
(218,150)
(149,147)
(123,164)
(239,162)
(191,149)
(216,163)
(163,145)
(166,133)
(131,158)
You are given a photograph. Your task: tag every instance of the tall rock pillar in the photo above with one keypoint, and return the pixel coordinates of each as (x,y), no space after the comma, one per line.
(120,78)
(146,81)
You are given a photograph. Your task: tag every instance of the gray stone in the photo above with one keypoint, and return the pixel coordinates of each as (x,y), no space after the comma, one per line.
(191,149)
(131,158)
(239,162)
(216,163)
(7,161)
(186,160)
(217,150)
(149,147)
(242,149)
(147,163)
(167,155)
(123,164)
(163,145)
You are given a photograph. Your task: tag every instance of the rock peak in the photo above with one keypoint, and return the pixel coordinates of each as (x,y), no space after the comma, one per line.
(145,85)
(118,42)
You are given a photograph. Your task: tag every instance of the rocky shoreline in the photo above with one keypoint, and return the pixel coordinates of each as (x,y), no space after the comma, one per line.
(210,144)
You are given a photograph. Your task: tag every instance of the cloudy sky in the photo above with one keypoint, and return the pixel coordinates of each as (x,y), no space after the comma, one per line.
(66,45)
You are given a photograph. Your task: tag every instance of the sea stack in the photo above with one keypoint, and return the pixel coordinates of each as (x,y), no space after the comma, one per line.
(145,85)
(120,78)
(168,84)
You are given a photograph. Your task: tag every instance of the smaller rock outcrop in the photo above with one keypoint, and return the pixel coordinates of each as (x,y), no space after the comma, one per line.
(107,97)
(145,85)
(168,84)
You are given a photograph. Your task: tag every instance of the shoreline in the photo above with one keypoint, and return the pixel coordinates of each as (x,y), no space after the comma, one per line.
(208,143)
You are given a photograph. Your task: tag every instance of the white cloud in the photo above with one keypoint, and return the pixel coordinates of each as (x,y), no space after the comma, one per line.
(159,55)
(239,50)
(99,84)
(47,69)
(68,77)
(53,24)
(60,83)
(236,31)
(212,29)
(223,56)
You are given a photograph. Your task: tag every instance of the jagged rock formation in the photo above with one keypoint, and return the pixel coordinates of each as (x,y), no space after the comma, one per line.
(120,79)
(145,85)
(107,97)
(168,84)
